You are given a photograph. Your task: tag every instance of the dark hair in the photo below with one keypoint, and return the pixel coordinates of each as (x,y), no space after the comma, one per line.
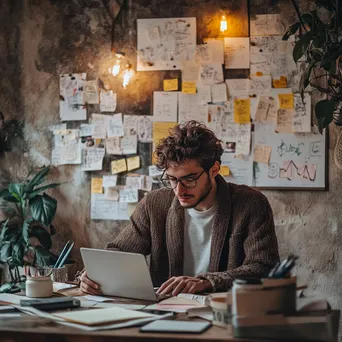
(189,140)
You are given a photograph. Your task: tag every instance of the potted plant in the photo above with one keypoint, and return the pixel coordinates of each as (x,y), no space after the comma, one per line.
(25,236)
(320,44)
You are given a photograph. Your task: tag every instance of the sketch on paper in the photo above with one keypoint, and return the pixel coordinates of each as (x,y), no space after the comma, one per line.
(165,42)
(145,129)
(295,149)
(302,114)
(291,170)
(273,170)
(268,25)
(236,53)
(211,73)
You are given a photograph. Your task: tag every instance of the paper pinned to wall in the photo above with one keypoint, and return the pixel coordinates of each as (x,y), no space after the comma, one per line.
(190,71)
(86,130)
(115,126)
(238,87)
(262,154)
(109,180)
(130,124)
(260,85)
(135,181)
(145,128)
(241,169)
(211,73)
(129,144)
(242,111)
(111,194)
(147,183)
(71,104)
(104,209)
(284,121)
(219,92)
(100,123)
(236,53)
(189,87)
(91,92)
(190,108)
(58,127)
(204,93)
(133,163)
(113,145)
(279,82)
(154,172)
(96,185)
(203,54)
(243,139)
(286,101)
(216,46)
(224,171)
(67,147)
(267,110)
(107,101)
(268,25)
(92,158)
(170,85)
(165,106)
(302,114)
(118,166)
(129,195)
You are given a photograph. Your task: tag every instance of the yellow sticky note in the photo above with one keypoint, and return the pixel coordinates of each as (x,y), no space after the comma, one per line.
(189,87)
(224,171)
(262,154)
(133,163)
(170,85)
(160,131)
(286,101)
(280,82)
(118,166)
(259,73)
(242,111)
(96,185)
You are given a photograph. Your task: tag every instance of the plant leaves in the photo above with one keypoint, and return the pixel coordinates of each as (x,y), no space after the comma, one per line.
(41,234)
(18,252)
(301,46)
(5,251)
(38,178)
(305,78)
(45,187)
(43,256)
(16,190)
(43,208)
(26,231)
(324,111)
(291,30)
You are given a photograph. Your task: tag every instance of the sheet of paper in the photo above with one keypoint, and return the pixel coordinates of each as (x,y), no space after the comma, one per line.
(286,101)
(86,130)
(96,185)
(165,106)
(279,82)
(162,129)
(133,163)
(135,182)
(129,195)
(129,144)
(211,73)
(284,120)
(67,147)
(241,170)
(302,114)
(216,45)
(292,170)
(220,119)
(113,146)
(204,93)
(100,123)
(238,87)
(99,299)
(243,139)
(267,109)
(131,124)
(260,85)
(107,101)
(242,111)
(203,54)
(103,209)
(170,85)
(109,181)
(115,126)
(62,286)
(91,92)
(219,92)
(71,104)
(190,71)
(236,53)
(189,87)
(111,193)
(118,166)
(190,108)
(268,25)
(262,154)
(92,159)
(145,129)
(154,172)
(147,183)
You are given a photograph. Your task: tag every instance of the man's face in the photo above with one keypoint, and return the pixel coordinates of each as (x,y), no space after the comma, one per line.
(187,171)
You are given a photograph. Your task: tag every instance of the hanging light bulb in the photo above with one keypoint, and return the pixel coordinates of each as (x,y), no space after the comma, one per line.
(116,67)
(127,75)
(223,24)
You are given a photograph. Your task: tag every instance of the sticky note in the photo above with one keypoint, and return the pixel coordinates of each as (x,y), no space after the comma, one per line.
(170,85)
(160,131)
(280,82)
(224,171)
(242,111)
(96,185)
(259,73)
(133,163)
(189,87)
(262,154)
(118,166)
(286,101)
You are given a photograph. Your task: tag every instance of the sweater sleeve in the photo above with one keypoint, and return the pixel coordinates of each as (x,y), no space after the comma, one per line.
(260,248)
(136,236)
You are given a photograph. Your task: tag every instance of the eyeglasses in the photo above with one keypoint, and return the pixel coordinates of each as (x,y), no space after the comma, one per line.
(188,183)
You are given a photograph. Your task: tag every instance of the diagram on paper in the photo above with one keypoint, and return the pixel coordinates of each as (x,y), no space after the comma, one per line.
(292,170)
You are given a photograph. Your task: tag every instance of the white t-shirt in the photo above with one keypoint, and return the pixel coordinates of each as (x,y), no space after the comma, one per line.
(198,227)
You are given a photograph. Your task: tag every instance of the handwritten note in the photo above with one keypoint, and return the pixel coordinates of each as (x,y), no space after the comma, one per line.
(107,101)
(219,92)
(111,194)
(204,93)
(266,110)
(118,166)
(96,185)
(216,46)
(211,73)
(129,195)
(115,126)
(279,82)
(224,170)
(131,124)
(133,163)
(284,120)
(191,108)
(165,106)
(67,147)
(109,181)
(92,159)
(86,130)
(190,71)
(104,209)
(147,183)
(154,172)
(203,54)
(260,85)
(91,92)
(129,144)
(286,101)
(242,111)
(236,53)
(268,25)
(113,145)
(189,87)
(243,139)
(262,154)
(135,181)
(170,85)
(302,114)
(238,87)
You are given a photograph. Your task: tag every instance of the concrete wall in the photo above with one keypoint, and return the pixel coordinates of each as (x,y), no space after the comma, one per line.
(41,39)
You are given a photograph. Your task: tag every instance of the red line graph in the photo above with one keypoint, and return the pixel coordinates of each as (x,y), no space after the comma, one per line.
(303,171)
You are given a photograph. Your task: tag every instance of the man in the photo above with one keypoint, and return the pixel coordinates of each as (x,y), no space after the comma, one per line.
(201,232)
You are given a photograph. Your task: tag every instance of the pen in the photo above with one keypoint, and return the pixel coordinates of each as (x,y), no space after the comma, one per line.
(61,255)
(66,255)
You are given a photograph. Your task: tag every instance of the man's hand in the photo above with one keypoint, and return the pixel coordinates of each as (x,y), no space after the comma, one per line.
(88,286)
(176,285)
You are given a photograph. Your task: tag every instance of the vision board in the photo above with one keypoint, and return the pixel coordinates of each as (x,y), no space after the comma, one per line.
(164,43)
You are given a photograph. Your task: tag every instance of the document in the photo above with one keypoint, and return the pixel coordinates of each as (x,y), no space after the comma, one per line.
(92,158)
(154,172)
(58,127)
(238,87)
(284,121)
(130,125)
(170,85)
(165,106)
(211,73)
(243,139)
(111,193)
(96,185)
(260,85)
(190,71)
(135,181)
(190,108)
(129,195)
(262,154)
(302,114)
(189,87)
(113,146)
(216,45)
(242,111)
(286,101)
(241,170)
(162,129)
(204,93)
(71,104)
(145,128)
(115,126)
(107,101)
(266,110)
(147,183)
(109,181)
(129,144)
(236,53)
(268,25)
(104,209)
(133,163)
(91,92)
(279,82)
(67,147)
(100,123)
(86,130)
(219,92)
(118,166)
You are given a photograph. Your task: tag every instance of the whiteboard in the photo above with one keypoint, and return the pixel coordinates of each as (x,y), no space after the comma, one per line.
(296,161)
(164,43)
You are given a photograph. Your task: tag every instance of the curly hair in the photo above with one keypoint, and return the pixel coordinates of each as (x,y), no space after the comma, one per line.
(189,140)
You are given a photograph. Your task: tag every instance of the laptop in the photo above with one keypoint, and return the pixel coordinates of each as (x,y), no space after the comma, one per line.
(119,274)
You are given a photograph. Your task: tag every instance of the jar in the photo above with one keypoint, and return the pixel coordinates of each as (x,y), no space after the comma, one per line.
(39,287)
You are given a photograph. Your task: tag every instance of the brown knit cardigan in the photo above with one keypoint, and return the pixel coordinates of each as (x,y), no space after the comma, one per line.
(243,242)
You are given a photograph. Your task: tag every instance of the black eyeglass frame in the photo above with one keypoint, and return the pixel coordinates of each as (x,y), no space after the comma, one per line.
(180,181)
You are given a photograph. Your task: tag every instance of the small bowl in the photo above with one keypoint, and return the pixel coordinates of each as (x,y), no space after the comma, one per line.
(221,304)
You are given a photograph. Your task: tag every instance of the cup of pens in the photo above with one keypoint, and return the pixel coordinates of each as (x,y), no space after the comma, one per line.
(59,271)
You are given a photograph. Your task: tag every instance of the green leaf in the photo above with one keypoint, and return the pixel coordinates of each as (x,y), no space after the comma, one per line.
(301,46)
(43,256)
(16,190)
(45,187)
(38,178)
(41,234)
(18,253)
(324,111)
(5,252)
(26,231)
(11,288)
(43,208)
(291,30)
